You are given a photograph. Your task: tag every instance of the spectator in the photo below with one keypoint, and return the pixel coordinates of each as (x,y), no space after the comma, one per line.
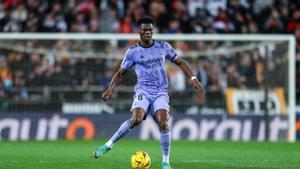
(273,23)
(294,23)
(247,70)
(222,23)
(233,77)
(202,22)
(215,6)
(116,5)
(194,6)
(48,24)
(109,23)
(5,74)
(126,25)
(19,15)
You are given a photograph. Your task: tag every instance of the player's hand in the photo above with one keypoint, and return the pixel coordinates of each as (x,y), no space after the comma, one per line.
(198,87)
(106,94)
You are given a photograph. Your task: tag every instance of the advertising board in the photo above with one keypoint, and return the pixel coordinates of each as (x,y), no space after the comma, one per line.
(191,127)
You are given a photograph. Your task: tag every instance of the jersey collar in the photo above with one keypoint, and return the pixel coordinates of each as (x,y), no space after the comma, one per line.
(148,46)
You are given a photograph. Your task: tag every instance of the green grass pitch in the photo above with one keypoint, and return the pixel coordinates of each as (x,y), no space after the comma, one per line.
(184,155)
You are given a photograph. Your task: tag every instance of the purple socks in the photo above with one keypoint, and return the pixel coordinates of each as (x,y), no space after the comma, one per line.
(122,131)
(165,141)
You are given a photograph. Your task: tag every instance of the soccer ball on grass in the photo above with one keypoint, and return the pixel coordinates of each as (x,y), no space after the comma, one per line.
(140,160)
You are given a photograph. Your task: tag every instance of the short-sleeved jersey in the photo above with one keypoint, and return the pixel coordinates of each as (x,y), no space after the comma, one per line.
(150,66)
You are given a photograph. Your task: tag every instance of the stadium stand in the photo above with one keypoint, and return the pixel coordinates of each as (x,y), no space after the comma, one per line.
(21,72)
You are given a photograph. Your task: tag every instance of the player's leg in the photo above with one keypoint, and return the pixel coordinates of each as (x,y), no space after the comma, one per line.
(161,109)
(138,110)
(136,118)
(162,119)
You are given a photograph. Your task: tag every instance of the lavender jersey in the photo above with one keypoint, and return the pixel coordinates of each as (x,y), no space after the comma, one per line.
(149,66)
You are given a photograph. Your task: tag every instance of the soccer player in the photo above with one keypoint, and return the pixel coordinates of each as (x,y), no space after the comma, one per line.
(150,96)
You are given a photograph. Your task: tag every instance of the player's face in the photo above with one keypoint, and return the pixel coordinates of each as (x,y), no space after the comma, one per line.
(146,31)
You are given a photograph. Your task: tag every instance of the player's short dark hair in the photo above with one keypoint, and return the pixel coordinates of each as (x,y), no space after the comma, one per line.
(145,19)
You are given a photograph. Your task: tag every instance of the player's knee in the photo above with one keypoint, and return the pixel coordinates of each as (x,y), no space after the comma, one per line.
(136,121)
(163,124)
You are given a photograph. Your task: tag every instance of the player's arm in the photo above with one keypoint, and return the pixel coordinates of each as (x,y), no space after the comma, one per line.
(117,77)
(186,69)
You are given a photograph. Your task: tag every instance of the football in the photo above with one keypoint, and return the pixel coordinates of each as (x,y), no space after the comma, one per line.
(140,160)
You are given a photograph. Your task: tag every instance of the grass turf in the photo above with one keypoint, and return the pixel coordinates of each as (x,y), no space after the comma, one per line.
(185,155)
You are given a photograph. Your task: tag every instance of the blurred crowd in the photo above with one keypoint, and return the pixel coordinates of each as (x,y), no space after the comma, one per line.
(19,69)
(176,16)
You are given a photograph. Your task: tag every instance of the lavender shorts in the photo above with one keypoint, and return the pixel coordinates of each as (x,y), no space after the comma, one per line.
(150,103)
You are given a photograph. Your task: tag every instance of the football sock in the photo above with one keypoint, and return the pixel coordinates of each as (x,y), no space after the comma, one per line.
(165,141)
(122,131)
